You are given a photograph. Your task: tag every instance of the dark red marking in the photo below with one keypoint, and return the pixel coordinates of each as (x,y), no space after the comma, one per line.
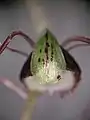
(38,59)
(51,46)
(40,50)
(46,35)
(51,59)
(46,51)
(51,52)
(46,48)
(47,44)
(43,61)
(58,77)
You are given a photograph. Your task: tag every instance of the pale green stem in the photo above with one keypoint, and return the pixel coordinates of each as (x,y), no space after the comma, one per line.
(30,104)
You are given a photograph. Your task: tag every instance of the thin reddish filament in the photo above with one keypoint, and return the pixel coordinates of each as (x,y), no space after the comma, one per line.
(13,34)
(77,45)
(17,51)
(76,39)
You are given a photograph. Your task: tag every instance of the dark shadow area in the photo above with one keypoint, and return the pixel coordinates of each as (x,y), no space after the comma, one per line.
(87,2)
(9,3)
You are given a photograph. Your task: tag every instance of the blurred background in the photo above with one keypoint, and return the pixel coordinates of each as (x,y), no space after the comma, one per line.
(64,18)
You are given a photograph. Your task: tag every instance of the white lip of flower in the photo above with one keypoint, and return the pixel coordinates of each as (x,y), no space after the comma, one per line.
(64,84)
